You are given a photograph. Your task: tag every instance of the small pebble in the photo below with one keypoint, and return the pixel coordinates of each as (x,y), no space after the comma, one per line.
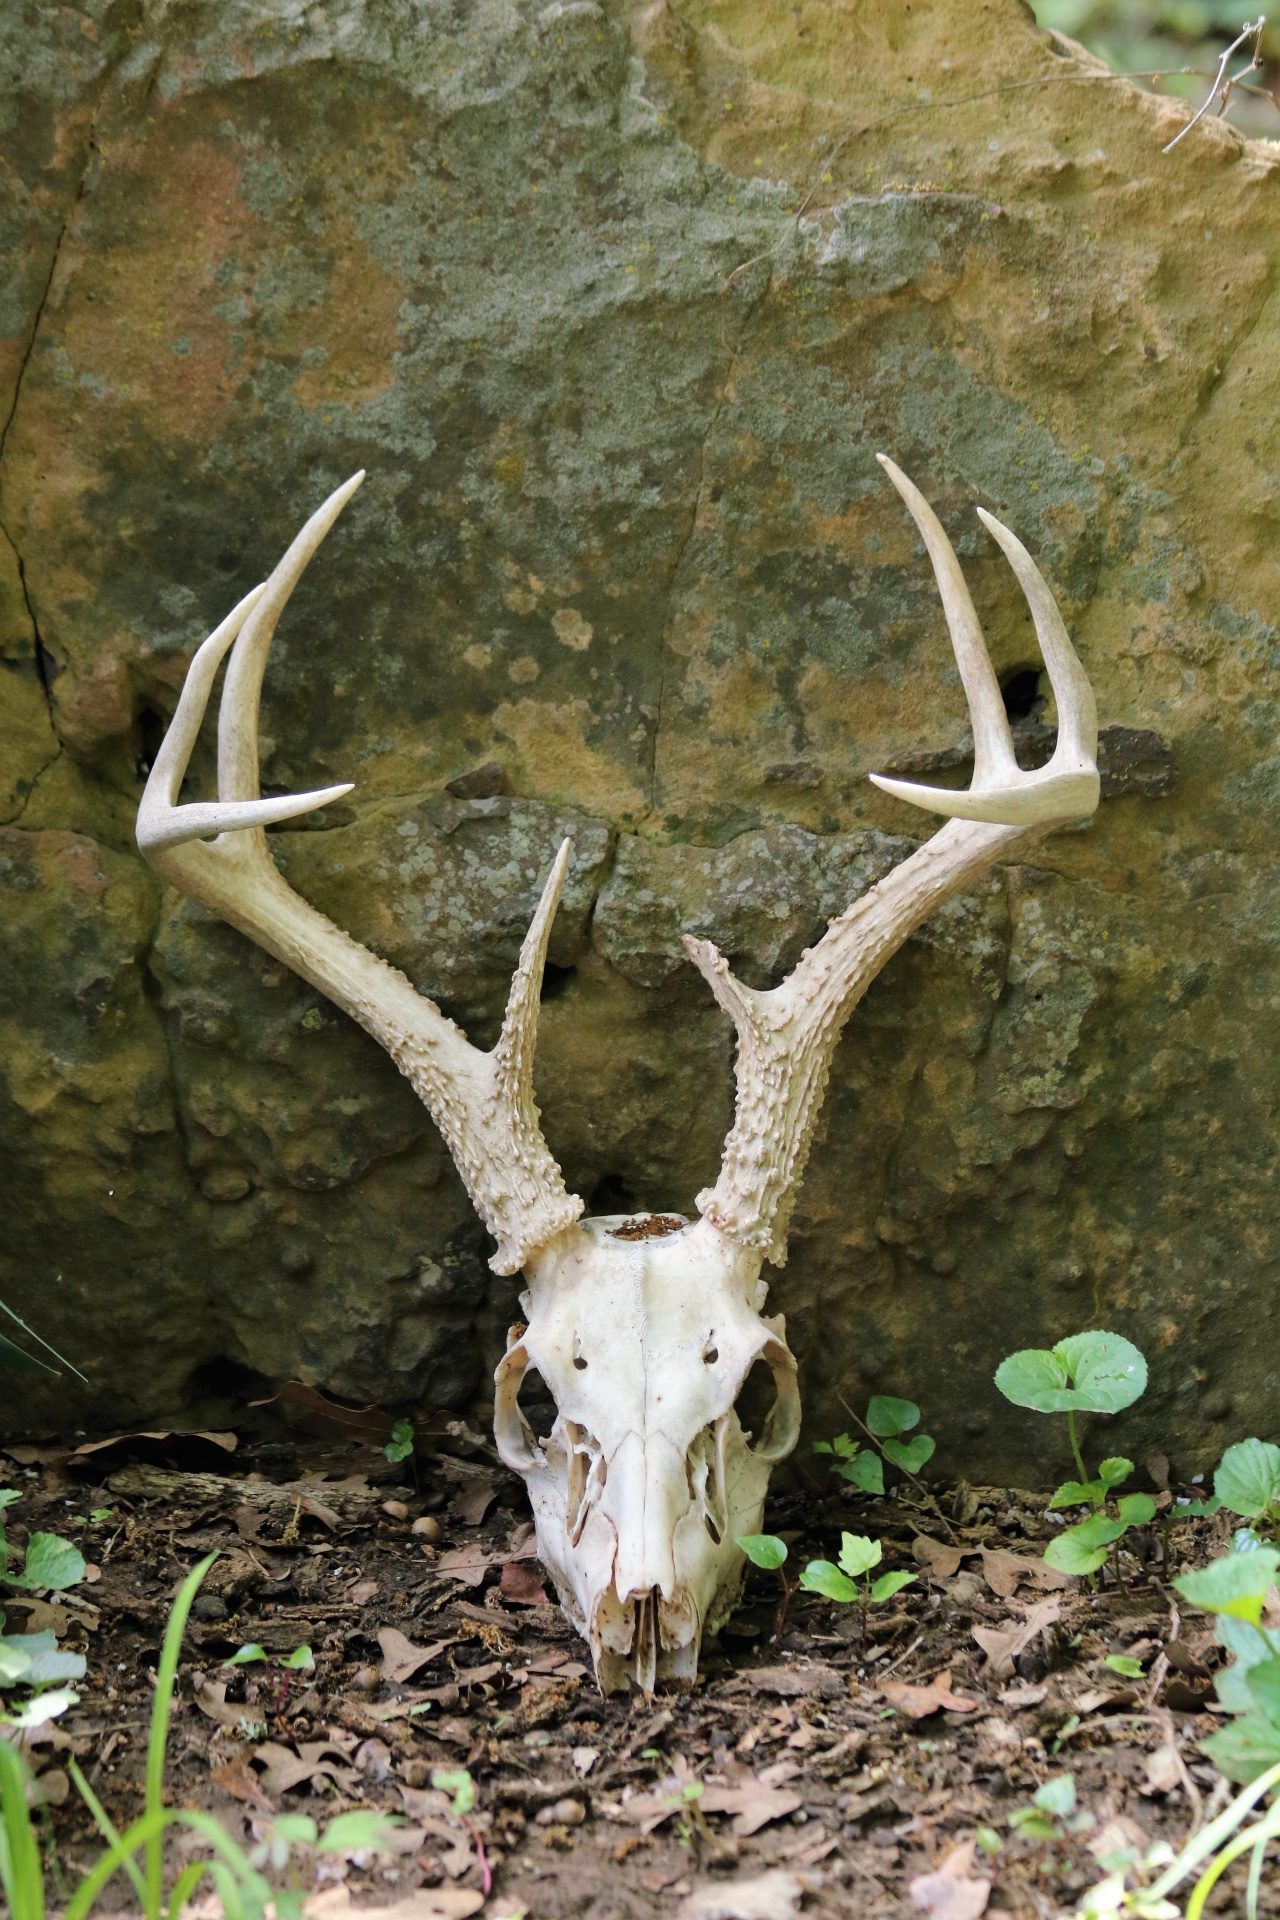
(426,1527)
(565,1813)
(396,1509)
(365,1679)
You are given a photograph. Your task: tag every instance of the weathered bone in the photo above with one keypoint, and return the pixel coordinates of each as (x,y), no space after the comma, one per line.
(644,1327)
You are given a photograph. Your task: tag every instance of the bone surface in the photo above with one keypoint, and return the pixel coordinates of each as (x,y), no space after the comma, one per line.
(644,1328)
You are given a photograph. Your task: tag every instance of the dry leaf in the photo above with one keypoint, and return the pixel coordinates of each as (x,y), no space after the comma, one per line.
(753,1805)
(791,1683)
(1002,1645)
(584,1758)
(1022,1696)
(308,1410)
(763,1896)
(952,1892)
(237,1778)
(522,1585)
(470,1564)
(361,1592)
(1164,1771)
(1002,1571)
(427,1903)
(228,1442)
(919,1702)
(211,1699)
(473,1500)
(940,1559)
(401,1659)
(285,1769)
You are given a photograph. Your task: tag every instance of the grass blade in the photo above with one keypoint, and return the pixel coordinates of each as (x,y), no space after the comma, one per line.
(102,1820)
(20,1870)
(158,1740)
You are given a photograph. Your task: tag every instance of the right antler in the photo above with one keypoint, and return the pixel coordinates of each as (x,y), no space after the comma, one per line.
(787,1036)
(482,1102)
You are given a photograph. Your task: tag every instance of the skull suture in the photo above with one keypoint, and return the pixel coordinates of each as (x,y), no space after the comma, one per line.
(643,1328)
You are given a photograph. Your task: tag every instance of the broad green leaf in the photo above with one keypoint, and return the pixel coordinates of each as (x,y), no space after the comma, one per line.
(44,1706)
(1070,1553)
(1247,1645)
(1248,1478)
(358,1832)
(8,1495)
(1236,1584)
(21,1362)
(15,1665)
(858,1554)
(1099,1530)
(243,1655)
(821,1577)
(1113,1471)
(1057,1796)
(764,1550)
(51,1562)
(844,1446)
(1034,1824)
(46,1662)
(297,1828)
(1135,1509)
(887,1417)
(1244,1749)
(910,1455)
(1078,1493)
(1086,1373)
(865,1471)
(888,1584)
(301,1660)
(989,1840)
(1125,1663)
(400,1445)
(823,1446)
(1195,1509)
(1263,1682)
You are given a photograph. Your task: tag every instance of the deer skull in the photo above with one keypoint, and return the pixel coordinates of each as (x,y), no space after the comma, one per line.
(644,1328)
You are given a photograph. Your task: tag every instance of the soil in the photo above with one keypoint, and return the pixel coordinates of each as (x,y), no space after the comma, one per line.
(828,1785)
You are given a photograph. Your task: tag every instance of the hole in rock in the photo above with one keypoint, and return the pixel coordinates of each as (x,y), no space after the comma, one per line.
(554,981)
(1021,693)
(148,731)
(756,1399)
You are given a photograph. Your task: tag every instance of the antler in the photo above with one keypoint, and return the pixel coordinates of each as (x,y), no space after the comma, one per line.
(482,1102)
(787,1036)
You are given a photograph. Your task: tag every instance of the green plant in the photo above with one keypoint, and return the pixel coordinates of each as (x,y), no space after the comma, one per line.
(858,1555)
(1220,1843)
(766,1551)
(1052,1812)
(300,1660)
(241,1888)
(400,1446)
(1086,1373)
(12,1355)
(1235,1589)
(1248,1482)
(886,1422)
(51,1562)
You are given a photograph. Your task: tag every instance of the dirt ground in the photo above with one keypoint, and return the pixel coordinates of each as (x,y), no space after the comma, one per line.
(829,1785)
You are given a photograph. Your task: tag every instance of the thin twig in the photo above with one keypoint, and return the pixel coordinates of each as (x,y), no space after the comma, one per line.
(1247,32)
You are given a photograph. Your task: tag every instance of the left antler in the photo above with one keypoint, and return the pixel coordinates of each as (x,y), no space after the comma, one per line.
(482,1102)
(787,1036)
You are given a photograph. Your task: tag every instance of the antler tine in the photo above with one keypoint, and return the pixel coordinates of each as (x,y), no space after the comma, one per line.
(993,756)
(1077,708)
(1000,792)
(238,714)
(251,625)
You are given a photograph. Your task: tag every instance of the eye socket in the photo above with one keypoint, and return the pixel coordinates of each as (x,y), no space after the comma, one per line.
(710,1356)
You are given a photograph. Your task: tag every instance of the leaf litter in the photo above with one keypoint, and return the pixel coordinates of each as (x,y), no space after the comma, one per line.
(821,1777)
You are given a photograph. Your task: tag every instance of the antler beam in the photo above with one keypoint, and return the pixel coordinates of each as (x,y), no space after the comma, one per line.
(787,1036)
(217,852)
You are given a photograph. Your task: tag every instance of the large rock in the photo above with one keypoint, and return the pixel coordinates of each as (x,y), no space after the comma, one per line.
(616,305)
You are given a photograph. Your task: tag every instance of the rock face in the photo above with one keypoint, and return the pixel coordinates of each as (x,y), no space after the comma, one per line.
(616,304)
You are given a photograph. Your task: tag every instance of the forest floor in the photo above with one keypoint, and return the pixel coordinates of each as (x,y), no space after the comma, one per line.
(837,1774)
